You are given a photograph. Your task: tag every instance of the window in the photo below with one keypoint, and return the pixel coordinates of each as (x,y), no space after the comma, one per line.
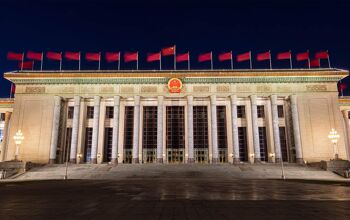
(107,152)
(175,121)
(242,141)
(149,127)
(109,112)
(200,127)
(128,133)
(2,117)
(263,144)
(67,144)
(348,114)
(222,133)
(283,141)
(240,111)
(280,111)
(90,112)
(88,144)
(70,112)
(261,112)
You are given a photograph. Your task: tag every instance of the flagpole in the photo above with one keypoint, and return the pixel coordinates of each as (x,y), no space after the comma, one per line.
(42,59)
(33,65)
(308,58)
(211,59)
(79,60)
(22,61)
(61,62)
(329,62)
(160,60)
(137,61)
(11,90)
(99,62)
(174,57)
(270,60)
(290,59)
(188,62)
(250,59)
(231,61)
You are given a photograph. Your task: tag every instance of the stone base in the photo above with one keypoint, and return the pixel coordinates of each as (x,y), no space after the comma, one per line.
(236,161)
(159,160)
(335,165)
(93,160)
(73,160)
(215,161)
(114,161)
(257,160)
(190,160)
(300,161)
(51,161)
(135,160)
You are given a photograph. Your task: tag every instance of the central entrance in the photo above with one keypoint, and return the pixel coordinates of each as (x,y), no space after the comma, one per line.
(175,134)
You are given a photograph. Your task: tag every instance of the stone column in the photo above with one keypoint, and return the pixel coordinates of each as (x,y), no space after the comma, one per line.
(135,143)
(5,136)
(55,127)
(214,130)
(115,139)
(160,129)
(346,133)
(255,128)
(190,129)
(275,127)
(234,129)
(95,126)
(75,128)
(296,129)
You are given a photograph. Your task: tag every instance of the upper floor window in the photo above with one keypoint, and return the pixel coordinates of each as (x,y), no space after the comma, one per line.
(90,112)
(2,116)
(261,111)
(280,111)
(109,111)
(240,111)
(70,112)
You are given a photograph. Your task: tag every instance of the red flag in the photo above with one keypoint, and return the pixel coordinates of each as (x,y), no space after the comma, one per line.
(34,55)
(225,56)
(168,51)
(112,56)
(15,56)
(93,56)
(72,55)
(263,56)
(322,55)
(303,56)
(131,56)
(284,55)
(315,63)
(151,57)
(205,57)
(183,57)
(243,57)
(342,86)
(54,56)
(13,88)
(26,65)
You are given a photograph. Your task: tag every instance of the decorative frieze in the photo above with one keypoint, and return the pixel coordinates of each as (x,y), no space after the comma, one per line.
(66,89)
(316,88)
(223,88)
(127,89)
(108,89)
(35,89)
(263,88)
(201,89)
(148,89)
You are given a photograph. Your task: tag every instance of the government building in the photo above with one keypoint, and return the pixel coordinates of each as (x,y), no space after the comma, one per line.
(192,116)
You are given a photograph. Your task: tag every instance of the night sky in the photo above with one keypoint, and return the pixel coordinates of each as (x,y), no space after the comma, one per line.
(94,26)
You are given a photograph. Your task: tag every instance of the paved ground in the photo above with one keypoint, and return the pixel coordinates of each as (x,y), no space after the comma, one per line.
(174,192)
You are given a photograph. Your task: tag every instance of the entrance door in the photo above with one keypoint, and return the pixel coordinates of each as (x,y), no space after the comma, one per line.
(200,134)
(128,133)
(175,134)
(149,137)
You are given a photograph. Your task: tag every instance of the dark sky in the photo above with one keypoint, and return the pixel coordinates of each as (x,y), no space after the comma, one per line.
(93,26)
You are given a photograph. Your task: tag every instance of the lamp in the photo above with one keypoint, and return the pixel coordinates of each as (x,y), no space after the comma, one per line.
(18,141)
(333,137)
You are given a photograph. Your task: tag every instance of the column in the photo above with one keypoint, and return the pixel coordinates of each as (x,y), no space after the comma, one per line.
(190,129)
(234,129)
(115,139)
(275,127)
(296,129)
(346,132)
(214,130)
(95,126)
(255,128)
(55,127)
(75,128)
(135,147)
(160,129)
(5,136)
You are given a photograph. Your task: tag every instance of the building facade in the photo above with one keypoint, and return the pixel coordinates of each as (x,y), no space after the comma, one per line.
(209,116)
